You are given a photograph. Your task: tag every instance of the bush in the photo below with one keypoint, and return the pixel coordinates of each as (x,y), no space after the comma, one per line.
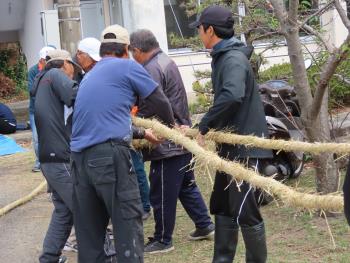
(280,71)
(7,86)
(13,66)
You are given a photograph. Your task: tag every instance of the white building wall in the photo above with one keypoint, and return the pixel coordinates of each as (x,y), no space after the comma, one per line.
(30,35)
(334,29)
(141,14)
(8,36)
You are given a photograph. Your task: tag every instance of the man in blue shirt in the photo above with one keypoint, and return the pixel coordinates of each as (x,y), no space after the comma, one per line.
(105,184)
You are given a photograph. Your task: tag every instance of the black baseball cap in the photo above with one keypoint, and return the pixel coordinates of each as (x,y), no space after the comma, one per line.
(215,16)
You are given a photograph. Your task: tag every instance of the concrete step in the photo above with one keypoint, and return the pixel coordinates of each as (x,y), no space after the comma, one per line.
(20,110)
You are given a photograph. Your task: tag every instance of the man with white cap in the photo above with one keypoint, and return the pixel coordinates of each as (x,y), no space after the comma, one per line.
(88,53)
(54,91)
(33,71)
(105,184)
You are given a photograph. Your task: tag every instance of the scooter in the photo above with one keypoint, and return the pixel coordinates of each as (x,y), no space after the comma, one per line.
(283,121)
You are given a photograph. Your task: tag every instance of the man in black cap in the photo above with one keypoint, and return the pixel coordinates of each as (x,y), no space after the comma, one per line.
(237,107)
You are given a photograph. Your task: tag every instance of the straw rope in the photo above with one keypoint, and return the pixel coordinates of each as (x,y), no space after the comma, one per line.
(290,145)
(288,195)
(23,200)
(274,144)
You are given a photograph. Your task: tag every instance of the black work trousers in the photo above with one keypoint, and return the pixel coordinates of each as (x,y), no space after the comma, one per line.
(59,179)
(172,179)
(105,187)
(238,200)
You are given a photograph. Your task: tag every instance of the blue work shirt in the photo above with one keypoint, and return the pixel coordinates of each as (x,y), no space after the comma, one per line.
(104,101)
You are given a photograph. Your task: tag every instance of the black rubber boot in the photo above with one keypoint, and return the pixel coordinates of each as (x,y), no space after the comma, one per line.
(225,241)
(255,243)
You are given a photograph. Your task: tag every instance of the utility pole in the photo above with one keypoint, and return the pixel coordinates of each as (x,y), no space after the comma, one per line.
(69,23)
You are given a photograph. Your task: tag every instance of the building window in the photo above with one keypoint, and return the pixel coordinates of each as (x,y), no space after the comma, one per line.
(177,22)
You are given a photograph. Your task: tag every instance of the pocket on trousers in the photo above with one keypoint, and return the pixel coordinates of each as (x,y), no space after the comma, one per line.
(130,204)
(102,170)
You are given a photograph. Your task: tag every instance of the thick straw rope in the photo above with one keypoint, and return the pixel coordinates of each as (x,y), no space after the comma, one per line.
(290,145)
(253,141)
(286,194)
(23,200)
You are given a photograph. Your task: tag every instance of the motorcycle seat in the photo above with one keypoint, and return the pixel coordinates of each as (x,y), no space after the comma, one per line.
(282,91)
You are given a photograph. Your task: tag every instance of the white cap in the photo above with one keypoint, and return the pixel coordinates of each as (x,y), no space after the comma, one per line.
(43,52)
(91,46)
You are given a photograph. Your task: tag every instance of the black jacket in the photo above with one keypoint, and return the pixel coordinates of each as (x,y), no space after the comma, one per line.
(53,90)
(165,72)
(237,105)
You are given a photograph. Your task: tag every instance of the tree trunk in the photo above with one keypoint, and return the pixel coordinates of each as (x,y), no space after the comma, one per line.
(327,176)
(316,130)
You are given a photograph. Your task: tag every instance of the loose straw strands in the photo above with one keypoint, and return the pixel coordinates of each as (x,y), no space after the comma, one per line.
(23,200)
(286,194)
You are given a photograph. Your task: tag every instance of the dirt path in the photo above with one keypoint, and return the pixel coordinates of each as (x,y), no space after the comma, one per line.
(23,229)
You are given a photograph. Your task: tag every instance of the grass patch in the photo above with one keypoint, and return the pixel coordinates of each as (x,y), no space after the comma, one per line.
(292,235)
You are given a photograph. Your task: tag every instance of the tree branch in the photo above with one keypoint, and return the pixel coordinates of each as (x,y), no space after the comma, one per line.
(319,12)
(327,72)
(293,10)
(269,34)
(281,13)
(342,14)
(329,46)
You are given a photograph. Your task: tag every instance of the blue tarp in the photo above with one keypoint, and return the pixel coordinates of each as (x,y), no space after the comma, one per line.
(9,146)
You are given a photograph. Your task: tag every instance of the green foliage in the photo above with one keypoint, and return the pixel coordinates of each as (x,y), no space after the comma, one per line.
(16,72)
(204,96)
(280,71)
(305,4)
(175,41)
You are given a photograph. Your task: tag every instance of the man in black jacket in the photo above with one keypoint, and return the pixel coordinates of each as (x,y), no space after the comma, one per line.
(171,176)
(55,92)
(237,107)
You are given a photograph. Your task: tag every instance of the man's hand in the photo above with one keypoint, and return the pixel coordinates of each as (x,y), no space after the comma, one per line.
(182,128)
(149,136)
(201,139)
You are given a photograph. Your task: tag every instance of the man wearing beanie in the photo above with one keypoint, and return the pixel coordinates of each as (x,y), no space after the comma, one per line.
(237,107)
